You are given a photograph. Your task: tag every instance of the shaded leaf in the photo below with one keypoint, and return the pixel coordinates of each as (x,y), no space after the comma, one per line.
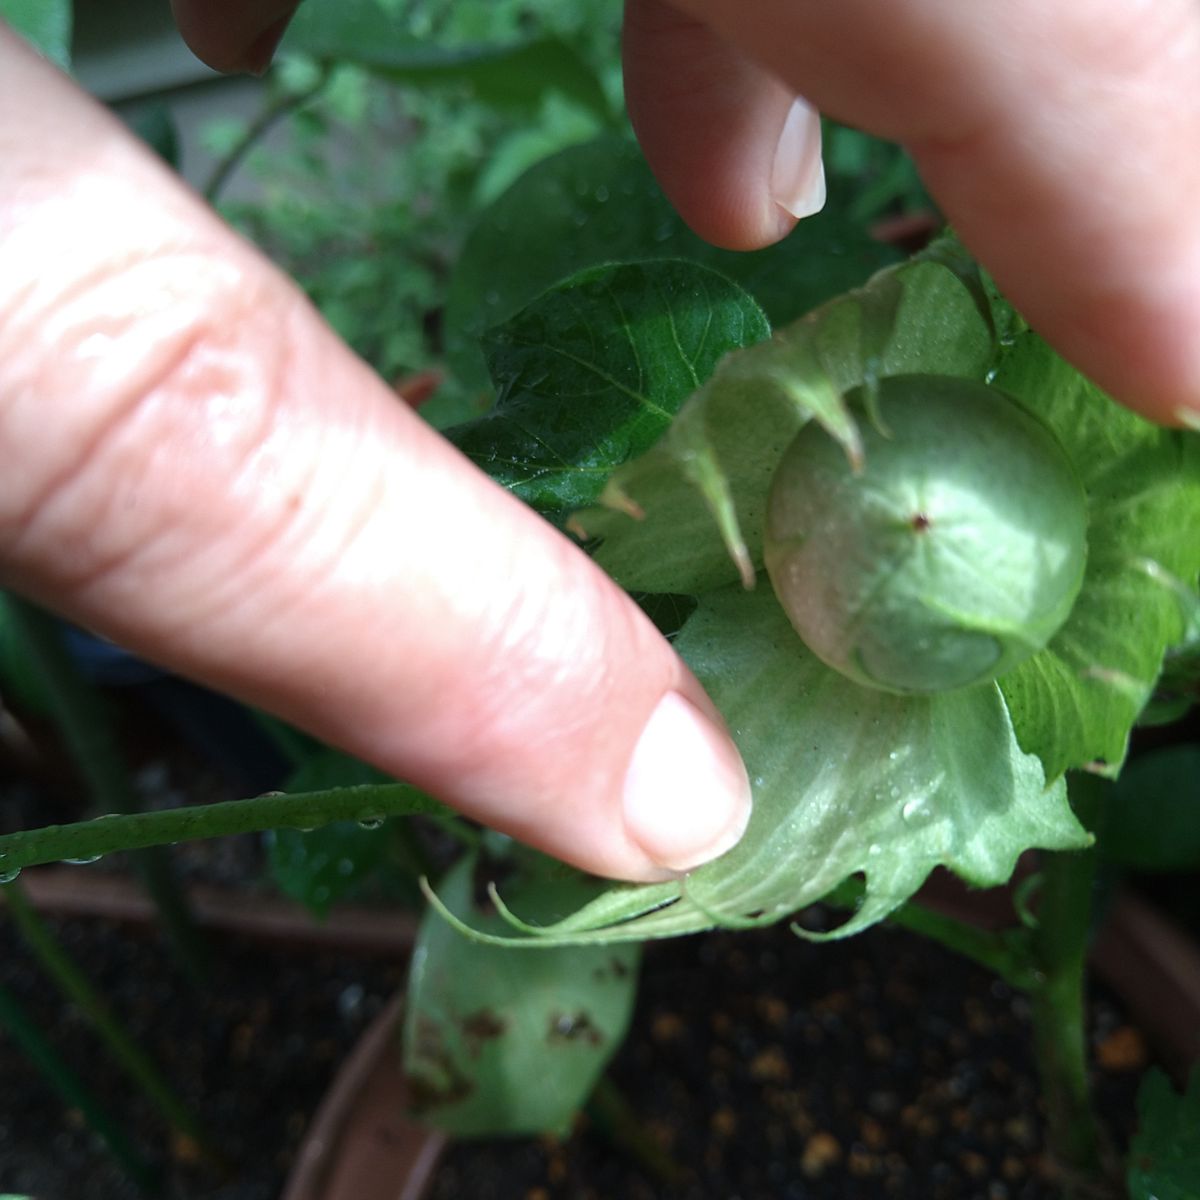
(1151,816)
(597,203)
(513,76)
(1075,702)
(319,867)
(1164,1158)
(591,373)
(503,1043)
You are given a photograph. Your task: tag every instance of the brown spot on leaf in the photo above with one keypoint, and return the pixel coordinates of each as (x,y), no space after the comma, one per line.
(573,1027)
(479,1028)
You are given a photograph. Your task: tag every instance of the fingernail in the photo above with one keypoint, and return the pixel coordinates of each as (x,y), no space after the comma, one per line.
(798,174)
(257,58)
(687,796)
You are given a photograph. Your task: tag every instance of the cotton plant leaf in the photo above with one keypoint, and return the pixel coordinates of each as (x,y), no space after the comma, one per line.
(591,373)
(688,515)
(516,75)
(1164,1157)
(846,780)
(501,1043)
(1075,702)
(598,202)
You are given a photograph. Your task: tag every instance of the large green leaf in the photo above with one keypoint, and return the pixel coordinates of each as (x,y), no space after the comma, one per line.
(591,373)
(598,202)
(846,780)
(515,75)
(502,1043)
(1164,1158)
(1076,701)
(45,23)
(685,513)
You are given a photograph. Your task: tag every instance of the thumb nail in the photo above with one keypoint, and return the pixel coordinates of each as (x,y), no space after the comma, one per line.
(687,796)
(798,174)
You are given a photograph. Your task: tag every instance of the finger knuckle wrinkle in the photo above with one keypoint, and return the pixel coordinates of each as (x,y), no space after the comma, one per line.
(127,366)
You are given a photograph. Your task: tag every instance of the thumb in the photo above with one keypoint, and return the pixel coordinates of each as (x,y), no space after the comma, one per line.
(1062,140)
(200,470)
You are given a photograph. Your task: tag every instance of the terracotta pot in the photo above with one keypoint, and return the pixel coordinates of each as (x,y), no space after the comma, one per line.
(361,1144)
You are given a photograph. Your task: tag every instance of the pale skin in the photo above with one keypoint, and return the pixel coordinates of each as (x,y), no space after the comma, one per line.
(196,467)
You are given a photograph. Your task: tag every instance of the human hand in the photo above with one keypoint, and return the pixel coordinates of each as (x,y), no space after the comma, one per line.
(1062,141)
(196,467)
(223,488)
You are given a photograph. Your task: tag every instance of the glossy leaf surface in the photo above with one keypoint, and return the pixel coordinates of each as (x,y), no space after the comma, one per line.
(590,374)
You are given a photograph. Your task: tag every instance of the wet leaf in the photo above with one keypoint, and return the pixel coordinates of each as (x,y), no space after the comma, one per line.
(846,780)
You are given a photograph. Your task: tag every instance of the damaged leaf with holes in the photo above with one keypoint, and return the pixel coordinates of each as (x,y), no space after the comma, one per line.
(497,1043)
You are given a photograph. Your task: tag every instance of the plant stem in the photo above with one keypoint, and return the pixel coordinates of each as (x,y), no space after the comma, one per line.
(88,732)
(274,111)
(613,1116)
(73,1090)
(1060,944)
(275,810)
(73,984)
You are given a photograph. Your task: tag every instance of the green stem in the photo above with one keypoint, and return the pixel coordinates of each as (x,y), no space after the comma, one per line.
(274,111)
(1060,944)
(71,981)
(275,810)
(88,731)
(75,1092)
(615,1118)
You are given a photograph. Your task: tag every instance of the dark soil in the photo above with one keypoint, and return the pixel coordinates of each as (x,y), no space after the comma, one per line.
(764,1067)
(768,1068)
(252,1053)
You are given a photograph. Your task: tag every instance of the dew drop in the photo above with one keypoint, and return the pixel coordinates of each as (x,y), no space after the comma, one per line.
(601,194)
(915,810)
(10,875)
(83,861)
(345,867)
(370,822)
(874,849)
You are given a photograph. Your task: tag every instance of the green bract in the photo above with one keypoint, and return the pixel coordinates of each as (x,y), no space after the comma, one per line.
(956,552)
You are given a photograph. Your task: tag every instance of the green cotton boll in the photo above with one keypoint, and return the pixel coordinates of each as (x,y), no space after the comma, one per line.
(955,553)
